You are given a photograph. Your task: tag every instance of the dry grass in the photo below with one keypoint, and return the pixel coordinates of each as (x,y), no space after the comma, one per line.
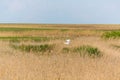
(15,65)
(64,26)
(52,33)
(18,65)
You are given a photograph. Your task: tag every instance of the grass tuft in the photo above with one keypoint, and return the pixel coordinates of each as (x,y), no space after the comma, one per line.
(84,50)
(35,48)
(87,50)
(66,50)
(111,35)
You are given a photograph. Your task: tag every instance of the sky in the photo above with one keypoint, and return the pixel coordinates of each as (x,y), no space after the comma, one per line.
(60,11)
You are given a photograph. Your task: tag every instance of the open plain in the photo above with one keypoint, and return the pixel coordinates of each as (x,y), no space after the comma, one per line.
(38,52)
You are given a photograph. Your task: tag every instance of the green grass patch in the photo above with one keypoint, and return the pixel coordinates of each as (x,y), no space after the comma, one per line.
(84,50)
(32,38)
(18,39)
(28,29)
(87,50)
(35,48)
(111,35)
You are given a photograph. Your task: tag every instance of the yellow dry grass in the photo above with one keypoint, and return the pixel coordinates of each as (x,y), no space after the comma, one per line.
(54,33)
(64,26)
(17,65)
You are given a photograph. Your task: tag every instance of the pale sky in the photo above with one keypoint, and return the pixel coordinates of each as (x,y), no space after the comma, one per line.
(60,11)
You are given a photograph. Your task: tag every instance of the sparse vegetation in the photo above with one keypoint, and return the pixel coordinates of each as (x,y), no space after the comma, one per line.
(40,52)
(35,48)
(84,50)
(66,50)
(87,50)
(111,35)
(24,29)
(18,39)
(116,46)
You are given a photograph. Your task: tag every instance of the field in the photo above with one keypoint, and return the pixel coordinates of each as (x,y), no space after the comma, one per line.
(39,52)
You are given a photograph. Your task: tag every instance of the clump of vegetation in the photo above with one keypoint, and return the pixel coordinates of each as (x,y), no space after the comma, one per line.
(111,35)
(66,50)
(87,50)
(84,50)
(35,48)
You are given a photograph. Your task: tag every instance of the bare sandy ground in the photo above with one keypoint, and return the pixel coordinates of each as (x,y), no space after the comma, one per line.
(15,65)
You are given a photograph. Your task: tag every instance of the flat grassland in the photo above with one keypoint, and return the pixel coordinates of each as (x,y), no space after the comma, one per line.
(39,52)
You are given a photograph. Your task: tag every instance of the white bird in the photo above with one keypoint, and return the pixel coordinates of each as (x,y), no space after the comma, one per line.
(67,42)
